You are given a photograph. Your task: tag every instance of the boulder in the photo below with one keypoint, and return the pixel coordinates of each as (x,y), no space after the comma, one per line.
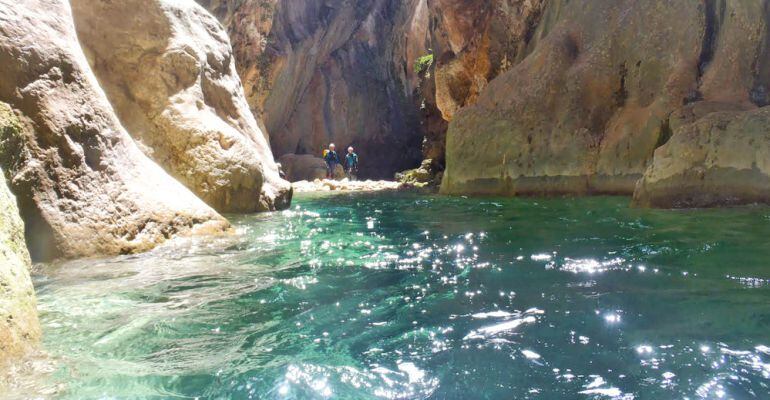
(306,167)
(719,159)
(428,174)
(19,327)
(83,186)
(168,69)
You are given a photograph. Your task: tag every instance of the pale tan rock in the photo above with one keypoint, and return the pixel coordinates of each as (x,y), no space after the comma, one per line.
(716,160)
(83,186)
(168,69)
(249,24)
(346,185)
(19,326)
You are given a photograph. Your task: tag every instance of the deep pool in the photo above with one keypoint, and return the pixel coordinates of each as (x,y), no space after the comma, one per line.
(406,296)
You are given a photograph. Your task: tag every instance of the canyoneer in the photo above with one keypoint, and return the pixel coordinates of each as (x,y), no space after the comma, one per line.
(351,164)
(332,160)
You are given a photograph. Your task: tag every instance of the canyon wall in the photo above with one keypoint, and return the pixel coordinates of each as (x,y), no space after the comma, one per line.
(520,96)
(584,105)
(83,186)
(321,71)
(714,158)
(19,327)
(168,70)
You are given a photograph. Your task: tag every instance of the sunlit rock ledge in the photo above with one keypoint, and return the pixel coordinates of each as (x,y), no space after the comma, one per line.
(345,185)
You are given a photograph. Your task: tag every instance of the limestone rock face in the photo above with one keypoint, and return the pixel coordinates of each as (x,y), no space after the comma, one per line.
(249,24)
(584,104)
(718,159)
(474,41)
(337,71)
(83,186)
(168,69)
(19,327)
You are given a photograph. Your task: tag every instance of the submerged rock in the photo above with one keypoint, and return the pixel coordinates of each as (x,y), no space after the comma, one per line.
(167,68)
(83,186)
(19,327)
(717,160)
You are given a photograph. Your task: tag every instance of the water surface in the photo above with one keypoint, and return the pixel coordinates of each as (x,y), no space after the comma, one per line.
(403,296)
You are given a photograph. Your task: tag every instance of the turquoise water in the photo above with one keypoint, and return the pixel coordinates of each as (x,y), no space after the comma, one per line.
(403,296)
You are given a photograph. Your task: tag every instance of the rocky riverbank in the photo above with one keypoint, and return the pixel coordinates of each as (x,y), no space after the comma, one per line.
(345,185)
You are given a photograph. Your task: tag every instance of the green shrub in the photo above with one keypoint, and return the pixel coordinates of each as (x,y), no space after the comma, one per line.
(423,63)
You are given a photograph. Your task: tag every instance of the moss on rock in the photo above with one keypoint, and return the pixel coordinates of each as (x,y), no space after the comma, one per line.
(19,328)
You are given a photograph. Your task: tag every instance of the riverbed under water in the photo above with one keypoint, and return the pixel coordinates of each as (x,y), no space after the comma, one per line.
(407,296)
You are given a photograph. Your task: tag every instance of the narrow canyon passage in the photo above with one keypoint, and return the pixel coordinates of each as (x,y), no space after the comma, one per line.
(404,296)
(528,199)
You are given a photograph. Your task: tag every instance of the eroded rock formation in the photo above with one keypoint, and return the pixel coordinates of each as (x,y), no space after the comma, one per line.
(83,186)
(333,71)
(475,41)
(713,159)
(249,24)
(19,327)
(583,109)
(540,98)
(168,70)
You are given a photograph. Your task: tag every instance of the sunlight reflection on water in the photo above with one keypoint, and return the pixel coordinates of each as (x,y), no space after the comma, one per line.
(403,297)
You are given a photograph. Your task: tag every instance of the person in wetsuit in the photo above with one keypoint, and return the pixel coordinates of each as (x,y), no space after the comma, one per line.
(332,161)
(351,164)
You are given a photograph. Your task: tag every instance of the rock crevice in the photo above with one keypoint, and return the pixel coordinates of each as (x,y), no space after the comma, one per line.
(333,71)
